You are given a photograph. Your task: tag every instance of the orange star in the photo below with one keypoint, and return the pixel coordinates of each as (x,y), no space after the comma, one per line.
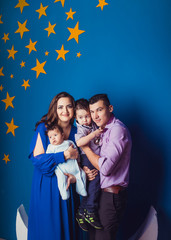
(25,84)
(42,10)
(75,32)
(61,53)
(5,38)
(46,53)
(78,54)
(22,28)
(21,4)
(31,46)
(0,19)
(50,29)
(12,52)
(101,4)
(11,76)
(22,64)
(39,68)
(1,73)
(1,88)
(11,127)
(8,101)
(6,158)
(62,2)
(70,14)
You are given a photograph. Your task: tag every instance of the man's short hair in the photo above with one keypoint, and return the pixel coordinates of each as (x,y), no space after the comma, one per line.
(99,97)
(82,103)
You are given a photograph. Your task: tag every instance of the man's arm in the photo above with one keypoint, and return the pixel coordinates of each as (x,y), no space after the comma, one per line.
(92,157)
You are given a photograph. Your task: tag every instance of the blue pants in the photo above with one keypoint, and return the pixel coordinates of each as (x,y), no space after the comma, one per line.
(91,201)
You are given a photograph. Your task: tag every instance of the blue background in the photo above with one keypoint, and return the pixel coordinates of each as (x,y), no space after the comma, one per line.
(126,53)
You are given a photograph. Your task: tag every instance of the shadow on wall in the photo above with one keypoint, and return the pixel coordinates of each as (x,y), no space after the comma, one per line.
(146,174)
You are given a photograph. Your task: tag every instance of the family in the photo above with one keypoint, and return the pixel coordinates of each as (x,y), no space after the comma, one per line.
(81,173)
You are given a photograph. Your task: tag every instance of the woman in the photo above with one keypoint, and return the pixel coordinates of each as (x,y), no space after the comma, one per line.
(50,217)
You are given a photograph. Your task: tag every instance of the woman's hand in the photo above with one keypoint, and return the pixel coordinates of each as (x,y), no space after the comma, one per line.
(71,153)
(71,179)
(91,174)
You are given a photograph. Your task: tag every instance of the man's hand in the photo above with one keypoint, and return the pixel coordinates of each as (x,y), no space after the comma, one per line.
(91,174)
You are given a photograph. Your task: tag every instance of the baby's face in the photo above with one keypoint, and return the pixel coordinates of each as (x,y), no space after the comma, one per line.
(55,137)
(83,117)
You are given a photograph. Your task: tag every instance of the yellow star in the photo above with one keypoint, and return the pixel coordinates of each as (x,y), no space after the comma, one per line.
(11,127)
(75,32)
(50,29)
(39,68)
(21,4)
(8,101)
(25,84)
(6,158)
(61,53)
(46,53)
(0,19)
(1,87)
(22,64)
(22,28)
(5,38)
(62,2)
(31,46)
(101,4)
(1,73)
(12,52)
(78,54)
(70,14)
(42,10)
(11,76)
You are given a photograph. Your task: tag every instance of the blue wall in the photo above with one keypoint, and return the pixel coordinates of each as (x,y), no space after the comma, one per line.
(126,53)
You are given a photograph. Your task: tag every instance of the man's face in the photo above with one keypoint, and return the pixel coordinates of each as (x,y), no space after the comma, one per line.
(100,113)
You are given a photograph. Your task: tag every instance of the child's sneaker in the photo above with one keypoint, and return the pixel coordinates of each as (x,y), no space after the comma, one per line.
(81,221)
(92,219)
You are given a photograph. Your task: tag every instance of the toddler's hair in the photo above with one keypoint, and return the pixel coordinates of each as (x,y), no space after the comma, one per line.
(82,103)
(53,126)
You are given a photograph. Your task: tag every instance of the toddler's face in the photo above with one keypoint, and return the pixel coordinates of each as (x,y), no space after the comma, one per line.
(55,137)
(83,117)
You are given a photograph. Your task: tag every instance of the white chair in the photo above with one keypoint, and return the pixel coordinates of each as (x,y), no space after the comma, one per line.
(149,228)
(21,223)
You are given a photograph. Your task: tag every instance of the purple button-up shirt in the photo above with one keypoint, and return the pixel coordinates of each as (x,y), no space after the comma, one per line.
(115,154)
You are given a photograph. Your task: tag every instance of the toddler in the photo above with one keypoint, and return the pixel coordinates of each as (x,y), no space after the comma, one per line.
(58,144)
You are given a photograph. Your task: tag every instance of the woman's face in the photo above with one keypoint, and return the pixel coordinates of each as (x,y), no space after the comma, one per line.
(65,109)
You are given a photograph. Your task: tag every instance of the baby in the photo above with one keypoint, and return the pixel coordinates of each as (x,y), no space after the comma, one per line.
(87,133)
(58,144)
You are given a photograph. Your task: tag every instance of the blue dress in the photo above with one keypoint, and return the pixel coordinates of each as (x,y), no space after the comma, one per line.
(50,217)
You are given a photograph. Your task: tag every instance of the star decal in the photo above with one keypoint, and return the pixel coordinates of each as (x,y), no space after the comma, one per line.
(70,14)
(1,73)
(11,127)
(75,32)
(8,101)
(5,38)
(0,19)
(21,4)
(11,76)
(1,88)
(22,64)
(42,10)
(78,54)
(61,53)
(101,4)
(12,52)
(6,158)
(39,68)
(62,2)
(25,84)
(46,53)
(31,46)
(50,29)
(22,28)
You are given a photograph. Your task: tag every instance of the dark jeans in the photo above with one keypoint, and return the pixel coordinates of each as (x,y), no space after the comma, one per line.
(111,210)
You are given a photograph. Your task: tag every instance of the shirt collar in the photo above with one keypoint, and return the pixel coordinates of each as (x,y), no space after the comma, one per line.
(110,122)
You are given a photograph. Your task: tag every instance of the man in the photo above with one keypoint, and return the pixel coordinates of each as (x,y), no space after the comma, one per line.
(113,164)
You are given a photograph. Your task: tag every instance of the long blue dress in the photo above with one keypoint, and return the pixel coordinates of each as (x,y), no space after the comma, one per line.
(50,217)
